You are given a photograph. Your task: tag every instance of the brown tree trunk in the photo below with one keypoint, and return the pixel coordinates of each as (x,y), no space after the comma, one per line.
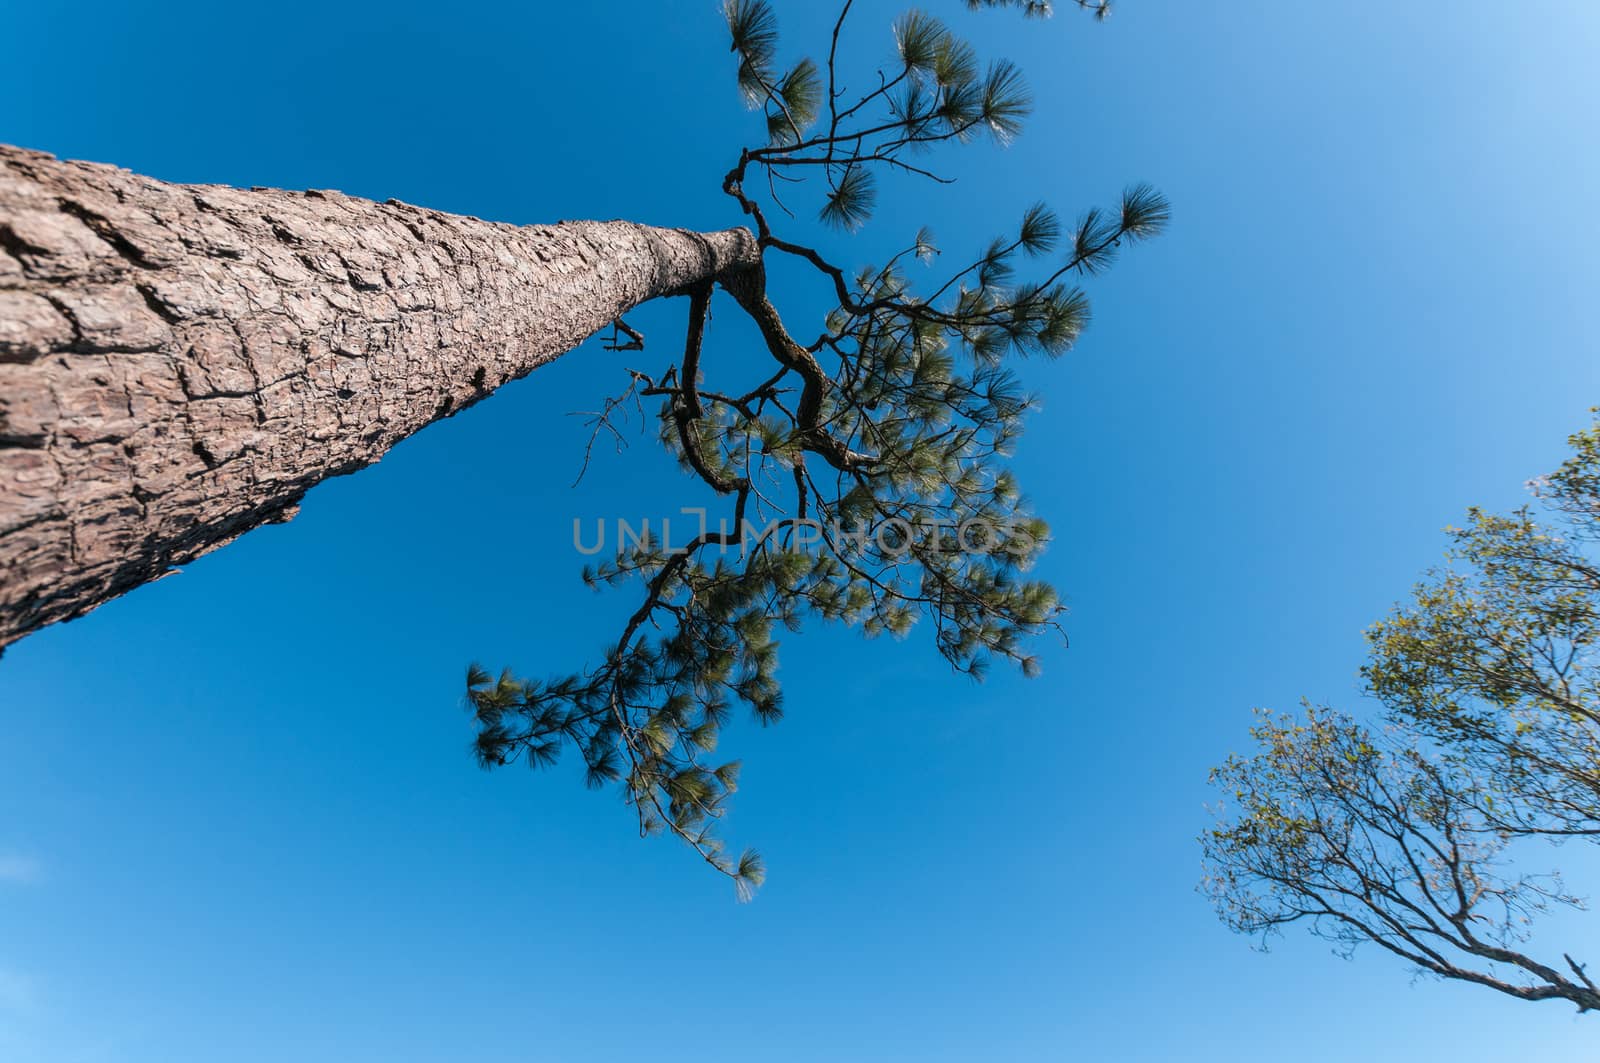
(179,363)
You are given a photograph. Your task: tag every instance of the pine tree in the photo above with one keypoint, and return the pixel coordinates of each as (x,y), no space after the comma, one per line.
(179,364)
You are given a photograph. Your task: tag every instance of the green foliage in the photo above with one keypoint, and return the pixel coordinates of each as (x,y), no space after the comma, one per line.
(1043,8)
(1004,101)
(754,31)
(850,200)
(1495,657)
(1040,230)
(870,463)
(796,98)
(1490,687)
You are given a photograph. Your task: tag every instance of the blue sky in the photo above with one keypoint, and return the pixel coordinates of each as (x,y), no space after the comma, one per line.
(237,816)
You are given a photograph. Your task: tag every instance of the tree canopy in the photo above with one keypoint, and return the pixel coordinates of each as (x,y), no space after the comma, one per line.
(1418,834)
(870,459)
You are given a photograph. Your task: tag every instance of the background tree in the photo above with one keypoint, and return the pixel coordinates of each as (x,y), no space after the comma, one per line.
(848,451)
(1411,836)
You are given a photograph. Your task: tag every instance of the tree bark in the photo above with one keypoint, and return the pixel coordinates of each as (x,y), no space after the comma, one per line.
(179,363)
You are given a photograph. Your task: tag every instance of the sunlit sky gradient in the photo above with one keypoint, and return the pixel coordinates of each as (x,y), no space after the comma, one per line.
(237,816)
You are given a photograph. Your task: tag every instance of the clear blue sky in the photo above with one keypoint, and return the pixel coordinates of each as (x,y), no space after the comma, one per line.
(237,816)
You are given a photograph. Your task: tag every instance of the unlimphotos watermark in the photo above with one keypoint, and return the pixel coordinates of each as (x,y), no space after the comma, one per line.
(892,537)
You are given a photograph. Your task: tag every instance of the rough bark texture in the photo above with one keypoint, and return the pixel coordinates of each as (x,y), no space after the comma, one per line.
(179,363)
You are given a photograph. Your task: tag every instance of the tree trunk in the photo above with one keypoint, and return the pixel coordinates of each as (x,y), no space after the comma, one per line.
(179,363)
